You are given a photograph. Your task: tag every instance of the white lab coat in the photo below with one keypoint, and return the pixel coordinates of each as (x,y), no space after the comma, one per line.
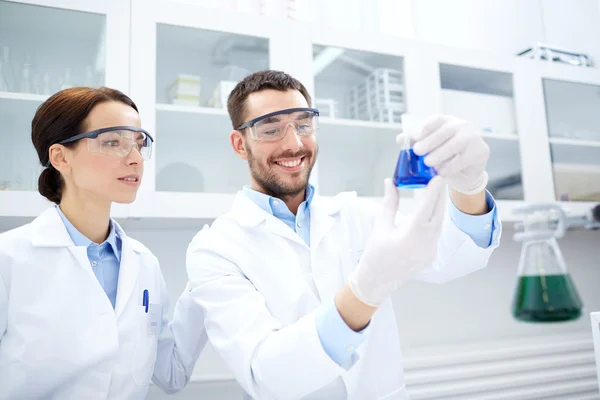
(259,285)
(60,337)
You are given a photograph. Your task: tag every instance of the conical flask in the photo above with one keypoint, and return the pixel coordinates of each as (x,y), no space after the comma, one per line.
(545,291)
(411,171)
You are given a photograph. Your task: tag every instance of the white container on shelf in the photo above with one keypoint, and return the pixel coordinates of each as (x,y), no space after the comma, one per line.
(328,108)
(185,90)
(379,98)
(234,73)
(577,182)
(220,94)
(492,113)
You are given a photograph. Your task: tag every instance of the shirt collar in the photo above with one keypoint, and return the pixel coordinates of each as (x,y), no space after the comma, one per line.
(267,202)
(79,239)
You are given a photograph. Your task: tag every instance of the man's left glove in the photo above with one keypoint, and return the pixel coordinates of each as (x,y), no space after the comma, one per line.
(456,150)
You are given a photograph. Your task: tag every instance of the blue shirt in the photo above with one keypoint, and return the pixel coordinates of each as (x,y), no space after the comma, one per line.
(104,258)
(338,340)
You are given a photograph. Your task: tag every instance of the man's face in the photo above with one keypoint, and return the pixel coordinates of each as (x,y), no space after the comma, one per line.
(279,168)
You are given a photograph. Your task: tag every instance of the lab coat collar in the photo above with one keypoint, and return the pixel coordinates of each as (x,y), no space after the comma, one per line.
(249,214)
(48,230)
(322,214)
(322,210)
(113,239)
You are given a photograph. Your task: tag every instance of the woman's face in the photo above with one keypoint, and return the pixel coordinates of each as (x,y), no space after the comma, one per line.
(99,176)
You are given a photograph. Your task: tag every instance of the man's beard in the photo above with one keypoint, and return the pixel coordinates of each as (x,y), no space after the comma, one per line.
(272,184)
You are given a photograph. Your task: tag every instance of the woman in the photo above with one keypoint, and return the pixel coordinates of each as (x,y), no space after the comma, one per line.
(82,305)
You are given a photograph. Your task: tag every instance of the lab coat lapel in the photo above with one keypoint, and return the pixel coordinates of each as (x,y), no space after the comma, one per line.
(278,227)
(324,251)
(250,214)
(48,230)
(322,218)
(128,274)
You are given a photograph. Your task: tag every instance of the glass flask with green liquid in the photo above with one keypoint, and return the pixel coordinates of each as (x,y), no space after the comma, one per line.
(545,291)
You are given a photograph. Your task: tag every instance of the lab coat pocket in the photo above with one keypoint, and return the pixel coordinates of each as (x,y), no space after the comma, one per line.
(146,337)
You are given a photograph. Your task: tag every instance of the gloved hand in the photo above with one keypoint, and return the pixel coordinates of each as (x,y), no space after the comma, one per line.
(393,253)
(456,150)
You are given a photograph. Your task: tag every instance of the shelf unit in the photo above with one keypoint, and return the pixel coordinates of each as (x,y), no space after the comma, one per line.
(194,175)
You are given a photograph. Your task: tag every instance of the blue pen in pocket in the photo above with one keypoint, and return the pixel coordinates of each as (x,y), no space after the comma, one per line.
(146,300)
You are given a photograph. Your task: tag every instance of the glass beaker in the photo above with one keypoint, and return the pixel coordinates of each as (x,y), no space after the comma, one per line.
(3,80)
(411,171)
(545,291)
(7,70)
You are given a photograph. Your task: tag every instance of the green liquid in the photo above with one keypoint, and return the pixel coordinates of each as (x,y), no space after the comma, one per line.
(546,298)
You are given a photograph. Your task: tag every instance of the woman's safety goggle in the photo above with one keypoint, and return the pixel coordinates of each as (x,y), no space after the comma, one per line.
(273,126)
(116,141)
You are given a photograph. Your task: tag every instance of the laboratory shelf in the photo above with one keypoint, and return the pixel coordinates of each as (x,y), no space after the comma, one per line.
(358,123)
(30,204)
(500,136)
(408,205)
(176,210)
(575,142)
(166,211)
(190,109)
(39,98)
(476,80)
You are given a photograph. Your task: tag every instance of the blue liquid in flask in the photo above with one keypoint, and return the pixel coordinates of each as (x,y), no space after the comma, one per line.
(411,171)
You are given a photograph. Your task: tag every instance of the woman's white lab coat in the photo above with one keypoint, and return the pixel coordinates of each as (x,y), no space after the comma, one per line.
(259,285)
(60,337)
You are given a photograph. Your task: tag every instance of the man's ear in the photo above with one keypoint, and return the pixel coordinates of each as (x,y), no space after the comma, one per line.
(238,143)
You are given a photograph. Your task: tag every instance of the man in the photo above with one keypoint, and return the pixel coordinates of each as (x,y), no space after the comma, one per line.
(294,287)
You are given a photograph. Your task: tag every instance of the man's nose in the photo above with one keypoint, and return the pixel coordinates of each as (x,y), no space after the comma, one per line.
(290,139)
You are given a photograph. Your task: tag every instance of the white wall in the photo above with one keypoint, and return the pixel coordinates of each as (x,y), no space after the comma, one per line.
(475,308)
(509,26)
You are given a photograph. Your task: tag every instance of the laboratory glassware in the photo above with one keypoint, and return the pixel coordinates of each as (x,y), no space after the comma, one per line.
(545,291)
(411,171)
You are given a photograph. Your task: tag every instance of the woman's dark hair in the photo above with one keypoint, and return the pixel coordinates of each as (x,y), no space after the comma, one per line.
(60,117)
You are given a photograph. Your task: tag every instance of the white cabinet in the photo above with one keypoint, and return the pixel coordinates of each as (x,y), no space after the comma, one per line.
(485,98)
(46,46)
(361,96)
(178,60)
(185,61)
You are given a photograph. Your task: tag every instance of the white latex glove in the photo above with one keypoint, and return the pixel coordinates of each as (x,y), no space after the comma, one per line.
(455,149)
(394,253)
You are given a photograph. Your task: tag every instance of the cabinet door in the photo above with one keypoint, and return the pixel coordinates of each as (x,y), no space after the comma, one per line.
(485,98)
(46,46)
(186,60)
(574,135)
(361,96)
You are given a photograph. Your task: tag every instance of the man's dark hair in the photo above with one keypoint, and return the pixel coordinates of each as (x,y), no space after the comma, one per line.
(256,82)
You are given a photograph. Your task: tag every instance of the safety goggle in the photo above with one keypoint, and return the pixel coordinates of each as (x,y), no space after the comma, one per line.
(273,126)
(116,141)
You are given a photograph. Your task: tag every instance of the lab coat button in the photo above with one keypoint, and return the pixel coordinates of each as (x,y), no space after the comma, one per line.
(94,263)
(299,225)
(487,226)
